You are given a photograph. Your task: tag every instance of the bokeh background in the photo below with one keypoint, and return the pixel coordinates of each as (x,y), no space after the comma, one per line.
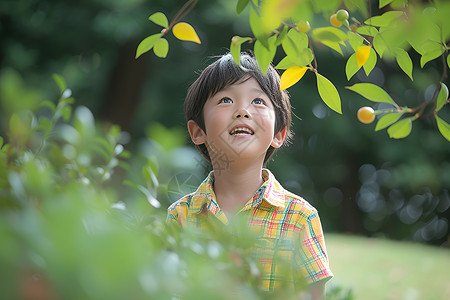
(384,203)
(361,181)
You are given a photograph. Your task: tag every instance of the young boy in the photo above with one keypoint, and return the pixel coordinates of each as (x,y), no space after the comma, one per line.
(237,117)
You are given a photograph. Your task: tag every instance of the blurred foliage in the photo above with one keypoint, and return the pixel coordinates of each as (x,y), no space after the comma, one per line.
(361,181)
(79,214)
(67,233)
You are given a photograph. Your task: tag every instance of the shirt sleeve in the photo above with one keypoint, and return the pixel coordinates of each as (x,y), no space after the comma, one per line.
(313,262)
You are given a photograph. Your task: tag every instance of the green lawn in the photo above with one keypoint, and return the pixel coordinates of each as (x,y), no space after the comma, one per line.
(383,269)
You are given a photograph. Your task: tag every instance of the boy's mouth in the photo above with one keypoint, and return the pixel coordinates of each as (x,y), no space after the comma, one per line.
(240,130)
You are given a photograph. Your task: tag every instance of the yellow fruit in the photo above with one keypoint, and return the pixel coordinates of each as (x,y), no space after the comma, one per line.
(303,26)
(334,21)
(366,115)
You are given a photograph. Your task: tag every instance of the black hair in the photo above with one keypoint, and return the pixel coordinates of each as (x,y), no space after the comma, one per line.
(225,72)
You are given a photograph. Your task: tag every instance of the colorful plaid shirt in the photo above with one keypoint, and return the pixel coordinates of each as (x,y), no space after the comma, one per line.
(288,228)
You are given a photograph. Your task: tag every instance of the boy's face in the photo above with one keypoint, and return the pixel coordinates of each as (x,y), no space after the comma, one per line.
(239,122)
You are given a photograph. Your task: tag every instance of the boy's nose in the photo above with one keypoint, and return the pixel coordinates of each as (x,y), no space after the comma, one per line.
(242,113)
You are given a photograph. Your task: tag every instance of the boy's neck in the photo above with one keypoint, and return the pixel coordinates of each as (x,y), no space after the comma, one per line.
(235,185)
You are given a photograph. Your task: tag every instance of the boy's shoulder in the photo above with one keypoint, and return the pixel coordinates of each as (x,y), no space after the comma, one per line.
(183,201)
(297,206)
(293,201)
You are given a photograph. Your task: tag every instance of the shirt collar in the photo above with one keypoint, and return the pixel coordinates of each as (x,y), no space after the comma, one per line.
(270,191)
(203,195)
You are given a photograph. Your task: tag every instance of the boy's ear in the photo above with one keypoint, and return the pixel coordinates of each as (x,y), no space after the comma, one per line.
(278,138)
(198,136)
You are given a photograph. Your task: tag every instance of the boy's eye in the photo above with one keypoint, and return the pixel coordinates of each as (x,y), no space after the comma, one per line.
(258,101)
(225,100)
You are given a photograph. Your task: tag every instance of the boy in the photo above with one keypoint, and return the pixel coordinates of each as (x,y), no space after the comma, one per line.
(237,117)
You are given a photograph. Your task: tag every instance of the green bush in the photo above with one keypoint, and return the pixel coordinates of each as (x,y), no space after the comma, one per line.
(70,229)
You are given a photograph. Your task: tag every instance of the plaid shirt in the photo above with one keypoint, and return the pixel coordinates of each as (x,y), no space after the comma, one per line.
(288,228)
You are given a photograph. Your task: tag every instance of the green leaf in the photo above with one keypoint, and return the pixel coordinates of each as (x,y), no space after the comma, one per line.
(45,125)
(355,40)
(60,82)
(295,42)
(395,36)
(351,67)
(444,128)
(235,47)
(448,60)
(281,36)
(241,5)
(442,97)
(1,142)
(263,55)
(149,175)
(335,46)
(49,104)
(370,62)
(385,19)
(387,120)
(150,198)
(404,61)
(295,45)
(328,93)
(305,58)
(331,37)
(66,113)
(372,92)
(383,3)
(354,5)
(379,44)
(285,63)
(426,37)
(398,4)
(431,53)
(273,12)
(367,30)
(329,34)
(401,129)
(256,24)
(322,6)
(159,19)
(69,100)
(161,47)
(147,44)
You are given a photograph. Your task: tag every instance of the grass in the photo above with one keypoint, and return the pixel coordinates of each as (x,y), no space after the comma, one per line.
(383,269)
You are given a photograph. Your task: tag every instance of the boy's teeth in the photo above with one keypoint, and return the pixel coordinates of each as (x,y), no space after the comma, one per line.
(241,131)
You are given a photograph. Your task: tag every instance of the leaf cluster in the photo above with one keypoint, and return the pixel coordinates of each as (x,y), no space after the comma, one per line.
(366,37)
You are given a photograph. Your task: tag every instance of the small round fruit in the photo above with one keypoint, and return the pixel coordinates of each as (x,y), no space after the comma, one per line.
(303,26)
(366,115)
(334,21)
(342,15)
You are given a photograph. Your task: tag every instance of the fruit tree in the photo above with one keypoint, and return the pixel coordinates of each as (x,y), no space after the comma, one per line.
(363,34)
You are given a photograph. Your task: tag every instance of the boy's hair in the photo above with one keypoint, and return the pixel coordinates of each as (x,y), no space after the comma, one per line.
(225,72)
